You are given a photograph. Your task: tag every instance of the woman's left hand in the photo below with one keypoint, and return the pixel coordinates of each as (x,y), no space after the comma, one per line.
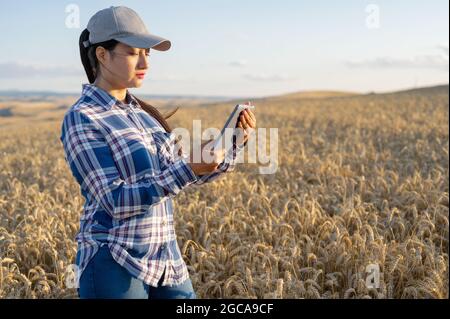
(247,122)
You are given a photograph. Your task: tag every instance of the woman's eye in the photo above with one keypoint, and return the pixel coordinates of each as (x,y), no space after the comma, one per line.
(147,54)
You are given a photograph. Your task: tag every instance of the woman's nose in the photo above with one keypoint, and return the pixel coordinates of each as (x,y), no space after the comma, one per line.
(143,62)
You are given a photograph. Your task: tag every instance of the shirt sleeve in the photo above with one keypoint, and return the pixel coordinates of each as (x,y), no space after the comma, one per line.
(94,168)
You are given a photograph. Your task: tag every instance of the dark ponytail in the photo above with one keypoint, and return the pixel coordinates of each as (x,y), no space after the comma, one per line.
(84,54)
(90,64)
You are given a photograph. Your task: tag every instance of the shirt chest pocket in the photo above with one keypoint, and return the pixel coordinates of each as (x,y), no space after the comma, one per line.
(134,152)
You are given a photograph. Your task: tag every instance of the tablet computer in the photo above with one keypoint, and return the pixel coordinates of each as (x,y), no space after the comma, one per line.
(231,124)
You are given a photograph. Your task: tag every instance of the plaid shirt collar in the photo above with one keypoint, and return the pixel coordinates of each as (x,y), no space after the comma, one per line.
(103,98)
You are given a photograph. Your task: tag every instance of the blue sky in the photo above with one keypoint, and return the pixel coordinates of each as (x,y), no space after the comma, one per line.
(241,48)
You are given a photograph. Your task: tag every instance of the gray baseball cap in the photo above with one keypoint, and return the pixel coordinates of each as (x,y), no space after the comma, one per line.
(124,25)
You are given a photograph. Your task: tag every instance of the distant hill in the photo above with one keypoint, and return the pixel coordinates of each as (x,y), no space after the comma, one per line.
(425,90)
(303,95)
(18,107)
(27,94)
(192,100)
(161,101)
(43,95)
(314,95)
(331,94)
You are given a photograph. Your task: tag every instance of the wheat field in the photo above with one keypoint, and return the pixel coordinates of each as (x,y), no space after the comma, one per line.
(362,180)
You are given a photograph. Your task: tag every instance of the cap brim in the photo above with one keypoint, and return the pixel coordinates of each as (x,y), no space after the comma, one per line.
(145,41)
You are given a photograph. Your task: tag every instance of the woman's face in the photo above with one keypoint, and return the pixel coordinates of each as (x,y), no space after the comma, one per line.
(123,67)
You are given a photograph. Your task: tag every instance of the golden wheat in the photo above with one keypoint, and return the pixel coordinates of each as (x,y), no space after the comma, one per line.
(362,180)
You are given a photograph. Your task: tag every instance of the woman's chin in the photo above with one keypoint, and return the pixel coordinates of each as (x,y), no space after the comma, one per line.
(137,83)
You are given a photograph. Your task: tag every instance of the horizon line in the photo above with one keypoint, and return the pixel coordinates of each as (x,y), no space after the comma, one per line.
(5,92)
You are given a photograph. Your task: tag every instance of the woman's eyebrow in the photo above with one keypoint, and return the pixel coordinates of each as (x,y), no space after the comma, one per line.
(134,50)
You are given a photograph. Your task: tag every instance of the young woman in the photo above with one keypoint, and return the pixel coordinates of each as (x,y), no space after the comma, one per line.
(122,153)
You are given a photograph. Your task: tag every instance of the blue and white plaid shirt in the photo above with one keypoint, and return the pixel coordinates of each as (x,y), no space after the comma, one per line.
(125,163)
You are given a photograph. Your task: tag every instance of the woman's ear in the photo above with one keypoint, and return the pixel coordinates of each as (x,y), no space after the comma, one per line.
(100,52)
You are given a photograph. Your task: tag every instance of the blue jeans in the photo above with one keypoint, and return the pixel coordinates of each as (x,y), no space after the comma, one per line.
(104,278)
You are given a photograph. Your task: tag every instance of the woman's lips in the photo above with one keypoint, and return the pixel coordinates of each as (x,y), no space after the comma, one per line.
(140,75)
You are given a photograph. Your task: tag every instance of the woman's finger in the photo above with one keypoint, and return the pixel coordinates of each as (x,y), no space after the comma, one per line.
(250,121)
(244,122)
(250,113)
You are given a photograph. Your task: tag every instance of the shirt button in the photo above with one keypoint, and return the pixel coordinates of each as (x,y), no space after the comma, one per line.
(141,129)
(163,246)
(117,182)
(164,222)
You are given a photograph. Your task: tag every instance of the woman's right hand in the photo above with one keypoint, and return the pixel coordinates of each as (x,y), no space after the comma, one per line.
(209,162)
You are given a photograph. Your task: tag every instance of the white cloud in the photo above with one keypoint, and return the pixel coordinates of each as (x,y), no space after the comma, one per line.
(20,70)
(429,61)
(172,77)
(263,77)
(444,47)
(238,63)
